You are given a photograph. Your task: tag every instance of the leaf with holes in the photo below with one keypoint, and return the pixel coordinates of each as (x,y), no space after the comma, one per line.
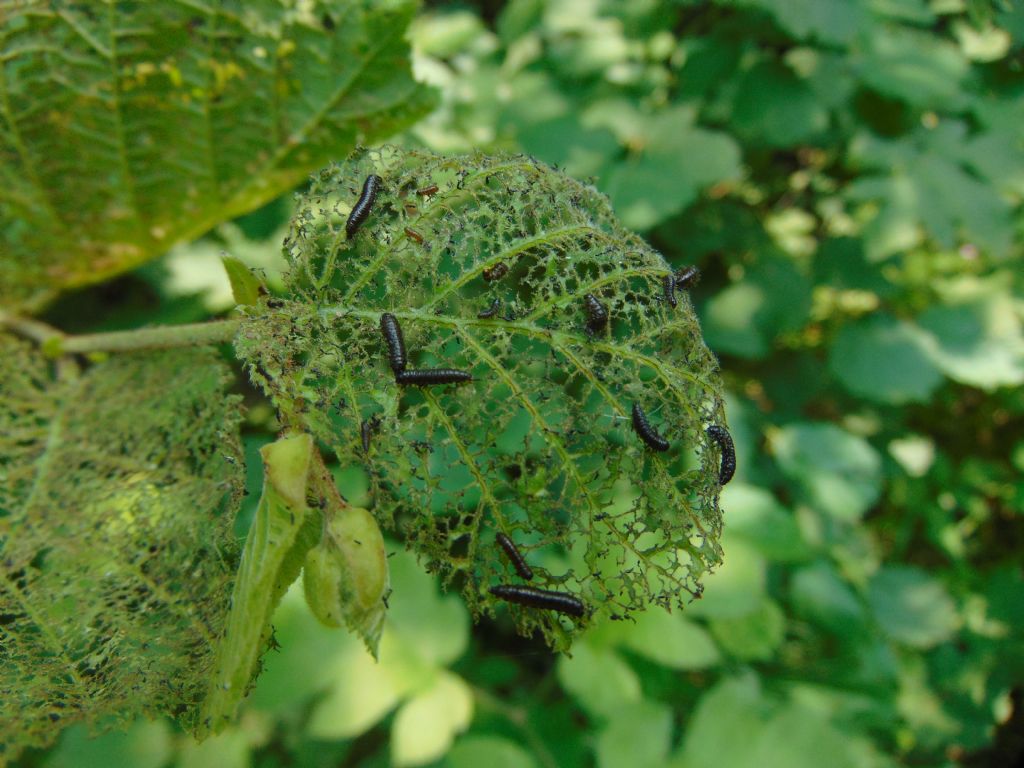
(117,496)
(539,444)
(127,127)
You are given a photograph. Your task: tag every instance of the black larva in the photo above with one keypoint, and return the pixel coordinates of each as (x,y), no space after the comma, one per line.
(369,426)
(425,377)
(515,556)
(668,288)
(646,431)
(496,272)
(724,439)
(597,313)
(396,342)
(363,205)
(562,602)
(491,311)
(686,277)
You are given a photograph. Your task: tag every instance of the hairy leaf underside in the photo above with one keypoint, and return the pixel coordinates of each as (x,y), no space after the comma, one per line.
(126,127)
(118,489)
(540,444)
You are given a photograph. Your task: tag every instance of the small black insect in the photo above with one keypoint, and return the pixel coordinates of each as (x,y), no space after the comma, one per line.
(515,556)
(597,313)
(425,377)
(686,277)
(562,602)
(412,234)
(491,311)
(369,426)
(363,205)
(396,342)
(668,288)
(427,191)
(327,21)
(646,431)
(724,439)
(496,272)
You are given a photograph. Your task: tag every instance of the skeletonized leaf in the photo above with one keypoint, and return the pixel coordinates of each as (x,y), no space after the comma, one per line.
(539,445)
(117,496)
(127,127)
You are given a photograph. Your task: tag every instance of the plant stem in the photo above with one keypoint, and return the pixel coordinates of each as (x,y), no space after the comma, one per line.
(56,344)
(30,329)
(191,334)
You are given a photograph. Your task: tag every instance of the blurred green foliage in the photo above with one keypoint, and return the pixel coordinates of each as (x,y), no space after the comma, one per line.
(848,175)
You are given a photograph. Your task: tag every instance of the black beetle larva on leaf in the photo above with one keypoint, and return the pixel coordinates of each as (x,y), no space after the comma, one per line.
(396,342)
(668,289)
(597,313)
(533,597)
(363,205)
(425,377)
(514,556)
(646,432)
(687,277)
(724,439)
(491,311)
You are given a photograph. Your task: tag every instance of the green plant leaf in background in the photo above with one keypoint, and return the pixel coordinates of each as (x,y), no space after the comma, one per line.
(539,444)
(118,490)
(838,473)
(912,607)
(125,128)
(885,360)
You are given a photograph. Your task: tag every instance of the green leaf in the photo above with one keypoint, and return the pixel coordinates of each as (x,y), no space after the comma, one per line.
(745,318)
(676,162)
(539,445)
(425,727)
(282,532)
(245,285)
(118,489)
(837,473)
(230,749)
(492,751)
(772,107)
(146,744)
(639,736)
(599,680)
(884,360)
(737,587)
(978,342)
(756,517)
(796,737)
(919,68)
(927,182)
(754,636)
(912,607)
(157,121)
(670,640)
(723,730)
(818,593)
(829,21)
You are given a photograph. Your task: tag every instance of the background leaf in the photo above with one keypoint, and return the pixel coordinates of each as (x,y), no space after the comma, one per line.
(129,127)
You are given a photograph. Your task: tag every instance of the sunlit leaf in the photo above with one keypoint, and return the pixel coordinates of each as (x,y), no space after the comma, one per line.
(127,127)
